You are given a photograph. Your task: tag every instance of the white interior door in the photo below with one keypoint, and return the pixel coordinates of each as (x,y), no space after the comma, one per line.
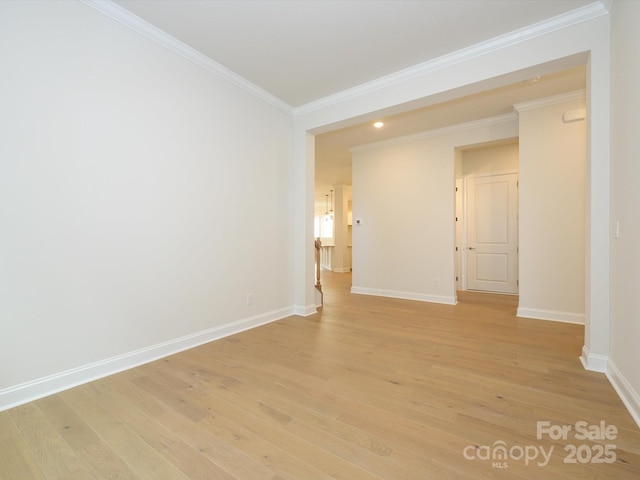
(492,233)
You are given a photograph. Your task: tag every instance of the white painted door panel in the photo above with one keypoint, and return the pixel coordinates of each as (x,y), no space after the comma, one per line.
(492,233)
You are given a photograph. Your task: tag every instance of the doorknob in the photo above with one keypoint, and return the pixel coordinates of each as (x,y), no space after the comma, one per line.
(471,248)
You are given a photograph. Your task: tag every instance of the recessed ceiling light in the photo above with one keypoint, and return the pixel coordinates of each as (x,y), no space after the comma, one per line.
(378,124)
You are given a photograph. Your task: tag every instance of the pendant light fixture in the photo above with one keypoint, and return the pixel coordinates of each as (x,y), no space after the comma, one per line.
(331,210)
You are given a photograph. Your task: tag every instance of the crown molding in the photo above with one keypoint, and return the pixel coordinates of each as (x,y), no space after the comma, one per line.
(574,17)
(128,19)
(552,100)
(135,23)
(483,122)
(608,4)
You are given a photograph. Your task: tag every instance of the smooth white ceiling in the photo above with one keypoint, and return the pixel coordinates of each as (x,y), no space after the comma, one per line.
(304,50)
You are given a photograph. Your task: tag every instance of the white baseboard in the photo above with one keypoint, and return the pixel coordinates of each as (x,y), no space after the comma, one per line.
(404,295)
(342,270)
(552,315)
(625,391)
(42,387)
(305,311)
(593,362)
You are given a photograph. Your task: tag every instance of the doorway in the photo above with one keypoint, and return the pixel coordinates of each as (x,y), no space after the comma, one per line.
(492,233)
(487,217)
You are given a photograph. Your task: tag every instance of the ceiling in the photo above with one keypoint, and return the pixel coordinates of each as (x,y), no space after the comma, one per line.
(304,50)
(301,51)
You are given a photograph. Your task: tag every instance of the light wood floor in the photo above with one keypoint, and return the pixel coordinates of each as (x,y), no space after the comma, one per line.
(371,388)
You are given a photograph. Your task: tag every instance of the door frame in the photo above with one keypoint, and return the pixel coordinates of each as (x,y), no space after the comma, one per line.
(463,241)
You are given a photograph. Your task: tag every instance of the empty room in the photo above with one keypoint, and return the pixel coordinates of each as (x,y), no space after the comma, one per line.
(319,239)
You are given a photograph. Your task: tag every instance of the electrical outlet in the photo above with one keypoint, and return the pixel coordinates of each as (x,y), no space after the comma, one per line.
(249,298)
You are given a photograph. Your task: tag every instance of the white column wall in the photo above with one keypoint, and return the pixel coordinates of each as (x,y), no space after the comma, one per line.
(597,267)
(625,196)
(304,241)
(552,212)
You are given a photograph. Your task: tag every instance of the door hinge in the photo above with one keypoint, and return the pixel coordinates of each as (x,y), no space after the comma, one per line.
(456,249)
(517,283)
(456,279)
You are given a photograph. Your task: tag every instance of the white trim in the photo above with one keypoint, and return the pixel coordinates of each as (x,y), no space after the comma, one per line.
(342,270)
(552,100)
(574,17)
(607,4)
(551,315)
(421,297)
(42,387)
(483,122)
(490,174)
(625,391)
(304,311)
(592,361)
(129,20)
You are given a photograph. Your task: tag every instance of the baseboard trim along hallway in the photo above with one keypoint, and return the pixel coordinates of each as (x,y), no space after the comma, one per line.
(42,387)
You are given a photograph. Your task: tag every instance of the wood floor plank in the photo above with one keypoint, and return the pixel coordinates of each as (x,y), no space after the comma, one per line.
(139,456)
(250,415)
(99,459)
(103,462)
(370,388)
(67,423)
(7,428)
(274,456)
(235,452)
(368,451)
(187,459)
(52,453)
(172,393)
(17,462)
(229,455)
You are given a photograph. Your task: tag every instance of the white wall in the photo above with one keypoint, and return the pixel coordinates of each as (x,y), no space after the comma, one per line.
(552,210)
(625,266)
(403,191)
(490,160)
(341,229)
(141,199)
